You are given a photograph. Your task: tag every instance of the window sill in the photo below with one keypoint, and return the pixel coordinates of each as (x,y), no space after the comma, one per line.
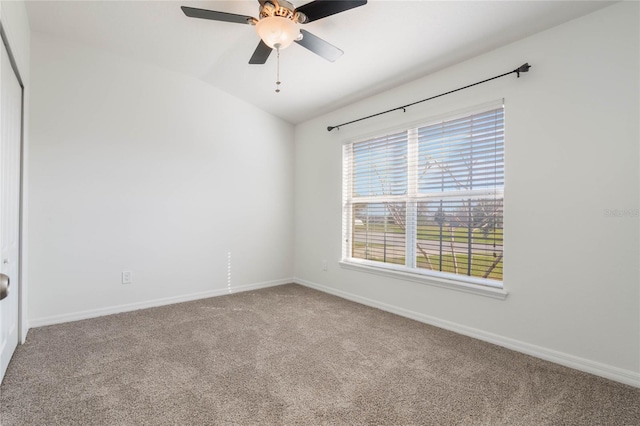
(492,292)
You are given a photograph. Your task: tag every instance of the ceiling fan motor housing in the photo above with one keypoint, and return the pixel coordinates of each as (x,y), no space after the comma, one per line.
(283,9)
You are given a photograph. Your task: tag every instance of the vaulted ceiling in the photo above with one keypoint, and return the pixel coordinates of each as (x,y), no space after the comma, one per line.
(386,43)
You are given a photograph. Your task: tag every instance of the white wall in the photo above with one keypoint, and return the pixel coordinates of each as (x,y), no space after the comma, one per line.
(572,142)
(15,23)
(145,170)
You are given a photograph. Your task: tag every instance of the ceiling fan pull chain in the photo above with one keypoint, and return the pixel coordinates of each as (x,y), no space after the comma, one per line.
(278,70)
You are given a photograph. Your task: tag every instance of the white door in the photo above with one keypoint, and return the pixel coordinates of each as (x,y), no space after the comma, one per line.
(10,164)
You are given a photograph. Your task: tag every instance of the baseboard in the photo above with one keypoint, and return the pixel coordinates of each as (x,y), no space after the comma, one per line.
(603,370)
(75,316)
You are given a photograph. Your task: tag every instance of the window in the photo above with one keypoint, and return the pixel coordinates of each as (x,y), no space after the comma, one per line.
(429,200)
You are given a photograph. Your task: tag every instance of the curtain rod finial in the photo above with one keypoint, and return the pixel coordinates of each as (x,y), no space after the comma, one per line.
(330,128)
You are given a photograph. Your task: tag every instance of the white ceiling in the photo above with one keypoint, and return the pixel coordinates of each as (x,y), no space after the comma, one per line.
(386,43)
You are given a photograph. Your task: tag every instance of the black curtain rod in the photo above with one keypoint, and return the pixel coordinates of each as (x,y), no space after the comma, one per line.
(522,68)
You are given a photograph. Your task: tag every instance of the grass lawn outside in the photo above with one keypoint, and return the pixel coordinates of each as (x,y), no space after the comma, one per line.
(431,232)
(480,262)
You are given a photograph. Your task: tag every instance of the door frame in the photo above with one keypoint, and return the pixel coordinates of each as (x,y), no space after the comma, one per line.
(22,325)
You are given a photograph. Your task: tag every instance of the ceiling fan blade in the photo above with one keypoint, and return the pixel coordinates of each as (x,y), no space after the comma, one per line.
(319,9)
(193,12)
(319,46)
(261,54)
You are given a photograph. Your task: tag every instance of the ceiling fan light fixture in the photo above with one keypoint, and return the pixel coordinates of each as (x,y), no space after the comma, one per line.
(277,32)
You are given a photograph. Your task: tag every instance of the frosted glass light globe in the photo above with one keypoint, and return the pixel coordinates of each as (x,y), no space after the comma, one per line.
(277,32)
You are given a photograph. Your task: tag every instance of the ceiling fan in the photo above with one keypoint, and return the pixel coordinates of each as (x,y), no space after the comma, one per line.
(278,22)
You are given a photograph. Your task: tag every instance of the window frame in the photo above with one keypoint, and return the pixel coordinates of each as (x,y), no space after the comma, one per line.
(481,286)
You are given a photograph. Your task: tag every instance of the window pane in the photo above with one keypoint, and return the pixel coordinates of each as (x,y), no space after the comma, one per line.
(462,154)
(380,166)
(452,231)
(379,232)
(432,194)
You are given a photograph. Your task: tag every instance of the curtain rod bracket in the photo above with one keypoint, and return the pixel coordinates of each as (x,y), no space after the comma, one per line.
(523,68)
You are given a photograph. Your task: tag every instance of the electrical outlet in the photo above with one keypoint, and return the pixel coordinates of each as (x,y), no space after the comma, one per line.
(325,265)
(127,277)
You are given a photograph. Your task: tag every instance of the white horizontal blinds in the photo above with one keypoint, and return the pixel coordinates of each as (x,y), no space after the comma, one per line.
(379,177)
(380,166)
(462,154)
(379,232)
(429,198)
(450,232)
(462,175)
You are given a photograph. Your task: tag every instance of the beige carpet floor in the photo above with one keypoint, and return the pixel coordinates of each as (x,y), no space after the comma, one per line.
(290,355)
